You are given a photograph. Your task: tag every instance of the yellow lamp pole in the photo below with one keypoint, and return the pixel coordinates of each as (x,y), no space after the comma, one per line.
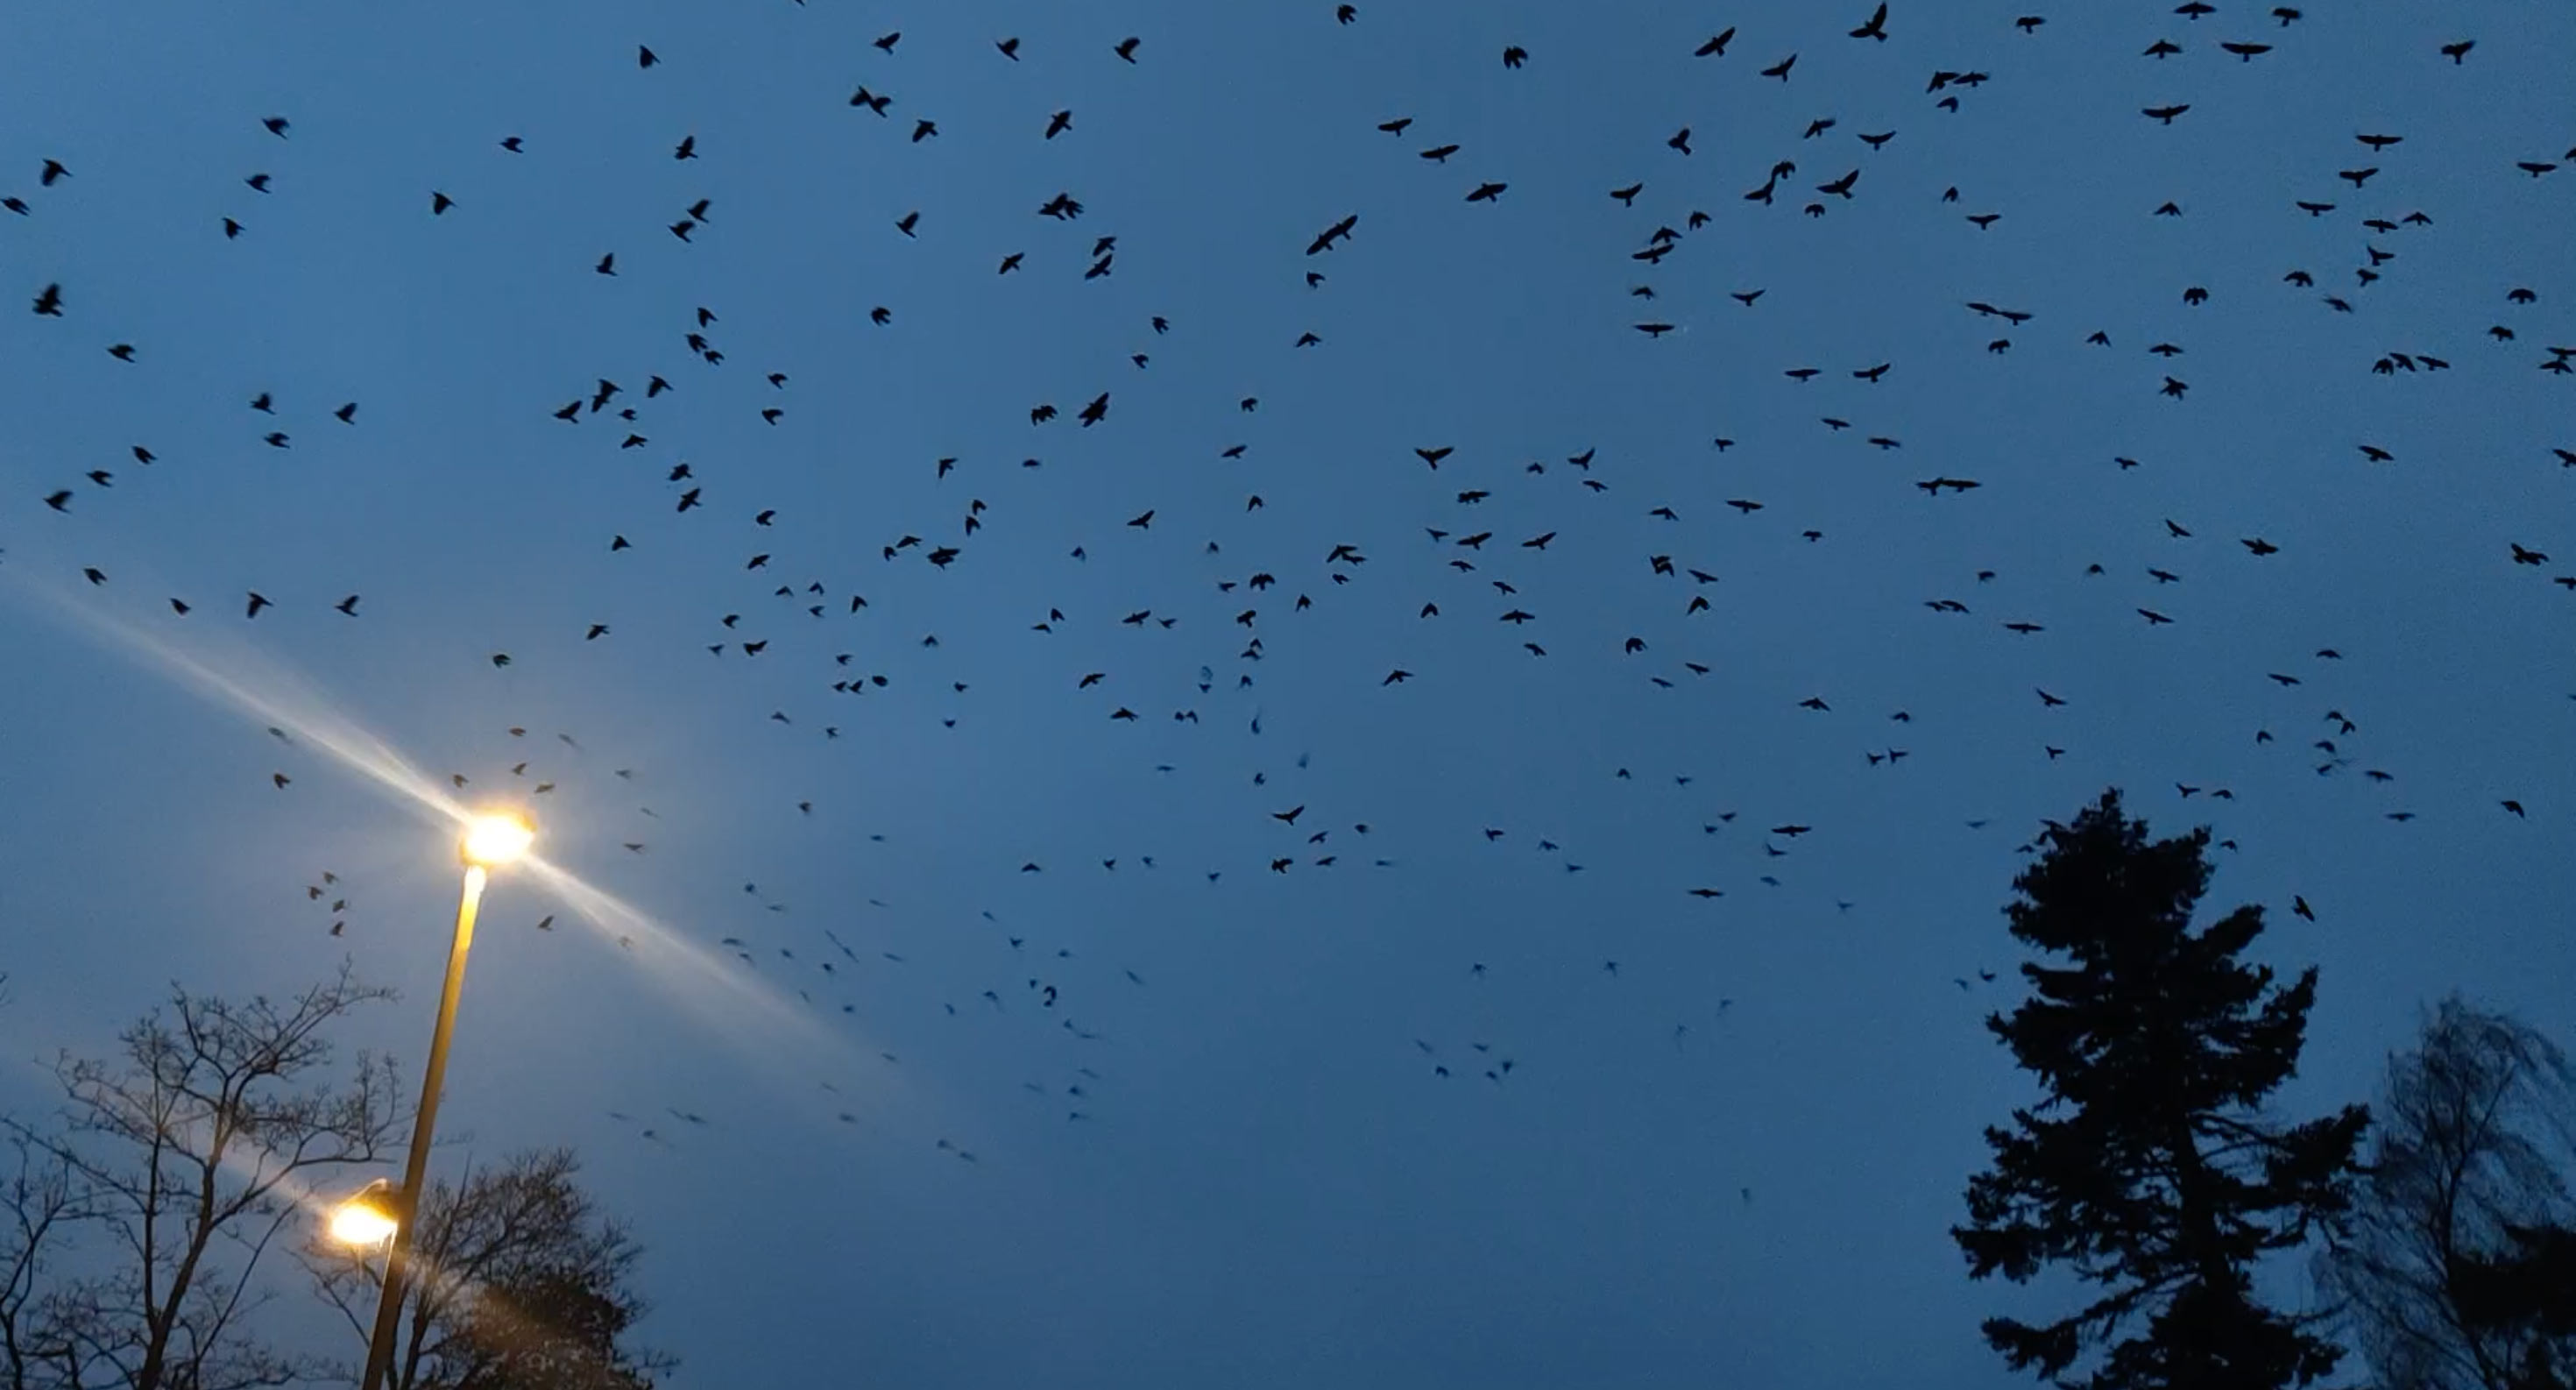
(489,841)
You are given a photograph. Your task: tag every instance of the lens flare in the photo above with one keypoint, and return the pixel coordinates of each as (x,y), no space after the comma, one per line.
(739,1004)
(753,1015)
(256,687)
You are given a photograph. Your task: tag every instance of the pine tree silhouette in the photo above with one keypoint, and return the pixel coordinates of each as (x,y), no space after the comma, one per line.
(2148,1169)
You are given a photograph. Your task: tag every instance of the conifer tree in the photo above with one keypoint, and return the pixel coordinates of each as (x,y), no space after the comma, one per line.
(2149,1170)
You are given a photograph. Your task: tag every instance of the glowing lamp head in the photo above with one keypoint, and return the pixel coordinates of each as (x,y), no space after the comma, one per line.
(366,1219)
(494,840)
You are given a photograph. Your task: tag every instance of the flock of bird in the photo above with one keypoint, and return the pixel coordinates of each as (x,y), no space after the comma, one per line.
(794,600)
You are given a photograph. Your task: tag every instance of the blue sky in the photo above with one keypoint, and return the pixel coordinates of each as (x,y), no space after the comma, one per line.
(1269,1184)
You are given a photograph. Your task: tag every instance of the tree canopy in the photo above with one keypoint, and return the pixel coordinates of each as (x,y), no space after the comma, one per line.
(2455,1268)
(140,1212)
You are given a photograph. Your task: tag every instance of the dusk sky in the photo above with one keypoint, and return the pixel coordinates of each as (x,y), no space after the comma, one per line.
(1211,1141)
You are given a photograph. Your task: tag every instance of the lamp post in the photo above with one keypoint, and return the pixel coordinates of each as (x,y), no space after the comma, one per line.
(490,841)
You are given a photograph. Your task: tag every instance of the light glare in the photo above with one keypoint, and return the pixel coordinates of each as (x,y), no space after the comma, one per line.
(365,1219)
(497,839)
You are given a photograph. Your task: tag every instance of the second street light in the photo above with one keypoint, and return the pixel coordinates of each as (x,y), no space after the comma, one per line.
(490,841)
(367,1219)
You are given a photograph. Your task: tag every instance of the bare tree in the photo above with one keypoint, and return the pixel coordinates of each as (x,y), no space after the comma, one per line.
(187,1152)
(42,1205)
(2474,1150)
(518,1283)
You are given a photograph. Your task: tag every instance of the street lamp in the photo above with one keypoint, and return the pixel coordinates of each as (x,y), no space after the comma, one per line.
(495,840)
(367,1219)
(490,841)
